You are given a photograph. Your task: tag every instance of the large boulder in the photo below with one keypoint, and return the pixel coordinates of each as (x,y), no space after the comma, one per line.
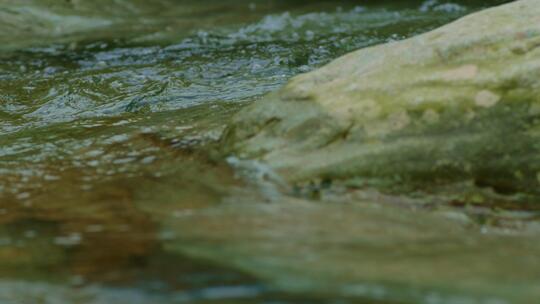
(458,103)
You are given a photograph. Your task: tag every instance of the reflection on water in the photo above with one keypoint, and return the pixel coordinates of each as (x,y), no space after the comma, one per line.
(234,62)
(104,136)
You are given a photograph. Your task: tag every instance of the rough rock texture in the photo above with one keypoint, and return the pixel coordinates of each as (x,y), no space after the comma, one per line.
(459,103)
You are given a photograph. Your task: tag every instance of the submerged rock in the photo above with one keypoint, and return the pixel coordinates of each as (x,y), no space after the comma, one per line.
(459,103)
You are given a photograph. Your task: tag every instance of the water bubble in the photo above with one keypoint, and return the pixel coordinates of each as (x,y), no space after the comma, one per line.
(30,234)
(72,239)
(5,241)
(22,196)
(94,228)
(117,139)
(148,160)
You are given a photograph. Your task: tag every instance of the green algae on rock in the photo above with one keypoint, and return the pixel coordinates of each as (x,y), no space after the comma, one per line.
(458,103)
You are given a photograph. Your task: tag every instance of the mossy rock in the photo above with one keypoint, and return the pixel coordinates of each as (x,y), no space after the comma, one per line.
(459,103)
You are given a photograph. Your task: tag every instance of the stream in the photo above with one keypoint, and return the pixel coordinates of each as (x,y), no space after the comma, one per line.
(109,188)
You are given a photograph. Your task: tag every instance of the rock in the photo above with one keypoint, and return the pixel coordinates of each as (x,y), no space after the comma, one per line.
(364,253)
(457,103)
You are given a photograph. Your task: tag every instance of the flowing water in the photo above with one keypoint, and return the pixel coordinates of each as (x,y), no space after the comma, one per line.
(107,113)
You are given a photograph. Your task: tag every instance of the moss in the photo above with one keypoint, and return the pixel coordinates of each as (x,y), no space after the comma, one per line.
(443,107)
